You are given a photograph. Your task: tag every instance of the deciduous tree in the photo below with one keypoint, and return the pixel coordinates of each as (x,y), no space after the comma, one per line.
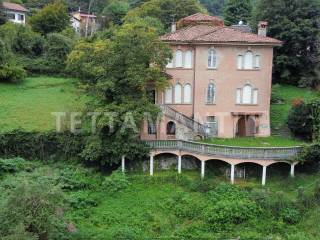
(237,10)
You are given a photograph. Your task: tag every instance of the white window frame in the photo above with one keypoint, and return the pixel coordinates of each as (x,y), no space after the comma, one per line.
(188,59)
(179,59)
(168,95)
(178,93)
(187,96)
(248,60)
(212,58)
(254,95)
(213,100)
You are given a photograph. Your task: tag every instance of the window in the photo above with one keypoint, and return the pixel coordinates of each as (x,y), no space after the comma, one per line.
(240,62)
(178,58)
(20,17)
(170,63)
(188,59)
(171,128)
(247,95)
(187,93)
(168,95)
(212,59)
(257,61)
(178,93)
(152,128)
(248,60)
(211,93)
(11,16)
(211,126)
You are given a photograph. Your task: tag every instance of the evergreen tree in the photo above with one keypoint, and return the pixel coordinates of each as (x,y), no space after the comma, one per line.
(237,10)
(215,7)
(296,23)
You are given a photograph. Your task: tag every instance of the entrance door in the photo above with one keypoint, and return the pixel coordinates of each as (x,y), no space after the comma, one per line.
(241,127)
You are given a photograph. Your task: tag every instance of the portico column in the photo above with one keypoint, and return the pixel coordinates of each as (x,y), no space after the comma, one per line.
(292,169)
(202,168)
(232,173)
(264,175)
(151,165)
(179,164)
(123,168)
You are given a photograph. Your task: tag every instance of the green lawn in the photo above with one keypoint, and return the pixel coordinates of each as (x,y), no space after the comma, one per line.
(279,112)
(29,105)
(273,141)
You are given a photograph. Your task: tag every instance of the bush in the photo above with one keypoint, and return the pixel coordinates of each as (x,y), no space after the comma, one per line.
(37,208)
(12,74)
(299,121)
(14,165)
(115,182)
(290,215)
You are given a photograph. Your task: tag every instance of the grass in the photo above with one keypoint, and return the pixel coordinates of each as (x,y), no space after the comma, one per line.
(29,105)
(163,206)
(272,141)
(279,112)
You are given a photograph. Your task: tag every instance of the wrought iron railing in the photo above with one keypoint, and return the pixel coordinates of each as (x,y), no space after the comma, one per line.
(184,120)
(257,153)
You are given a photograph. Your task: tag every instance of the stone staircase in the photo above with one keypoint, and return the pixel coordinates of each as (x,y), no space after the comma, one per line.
(188,122)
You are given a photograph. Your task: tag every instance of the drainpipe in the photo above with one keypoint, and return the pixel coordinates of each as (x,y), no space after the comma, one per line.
(194,80)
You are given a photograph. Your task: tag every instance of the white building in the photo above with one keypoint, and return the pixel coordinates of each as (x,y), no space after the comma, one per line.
(15,12)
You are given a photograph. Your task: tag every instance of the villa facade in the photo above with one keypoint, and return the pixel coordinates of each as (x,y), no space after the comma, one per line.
(220,81)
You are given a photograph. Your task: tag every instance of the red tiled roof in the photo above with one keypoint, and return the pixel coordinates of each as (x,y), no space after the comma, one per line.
(201,17)
(14,7)
(213,34)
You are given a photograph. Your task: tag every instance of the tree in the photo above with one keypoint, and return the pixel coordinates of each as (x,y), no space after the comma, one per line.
(125,66)
(215,7)
(31,211)
(237,10)
(52,18)
(167,10)
(2,14)
(115,11)
(296,23)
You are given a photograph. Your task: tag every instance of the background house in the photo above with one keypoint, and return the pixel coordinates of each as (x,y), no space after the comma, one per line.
(15,12)
(83,23)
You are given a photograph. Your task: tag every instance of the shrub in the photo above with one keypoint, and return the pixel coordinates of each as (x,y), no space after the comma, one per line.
(37,208)
(290,215)
(317,192)
(14,165)
(12,74)
(115,182)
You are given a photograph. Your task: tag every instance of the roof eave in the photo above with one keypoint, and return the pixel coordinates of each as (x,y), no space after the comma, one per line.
(223,43)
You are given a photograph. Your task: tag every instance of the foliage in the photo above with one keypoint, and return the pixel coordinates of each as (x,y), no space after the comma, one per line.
(3,18)
(52,18)
(115,182)
(36,209)
(295,22)
(304,119)
(215,7)
(115,11)
(12,74)
(57,48)
(14,165)
(310,153)
(166,10)
(237,10)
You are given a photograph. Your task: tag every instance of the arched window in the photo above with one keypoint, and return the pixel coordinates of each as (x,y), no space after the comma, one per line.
(257,61)
(188,59)
(240,62)
(152,128)
(187,93)
(178,93)
(168,95)
(171,128)
(212,59)
(170,63)
(178,58)
(211,93)
(248,60)
(247,94)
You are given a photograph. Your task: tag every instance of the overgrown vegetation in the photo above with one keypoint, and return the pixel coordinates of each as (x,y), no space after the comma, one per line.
(166,206)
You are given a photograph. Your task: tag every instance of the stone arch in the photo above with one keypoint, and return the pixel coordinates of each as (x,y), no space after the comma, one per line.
(279,168)
(165,160)
(248,169)
(218,167)
(190,161)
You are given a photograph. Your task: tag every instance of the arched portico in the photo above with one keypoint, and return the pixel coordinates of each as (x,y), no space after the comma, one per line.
(232,161)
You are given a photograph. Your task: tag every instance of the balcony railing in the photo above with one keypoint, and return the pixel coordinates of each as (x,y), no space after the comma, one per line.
(257,153)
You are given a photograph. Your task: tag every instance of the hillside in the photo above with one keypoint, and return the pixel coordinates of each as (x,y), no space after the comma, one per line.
(29,105)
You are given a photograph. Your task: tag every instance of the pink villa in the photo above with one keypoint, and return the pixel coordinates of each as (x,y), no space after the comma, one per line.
(220,82)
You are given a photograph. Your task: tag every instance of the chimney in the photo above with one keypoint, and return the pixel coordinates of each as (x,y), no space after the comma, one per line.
(262,28)
(173,27)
